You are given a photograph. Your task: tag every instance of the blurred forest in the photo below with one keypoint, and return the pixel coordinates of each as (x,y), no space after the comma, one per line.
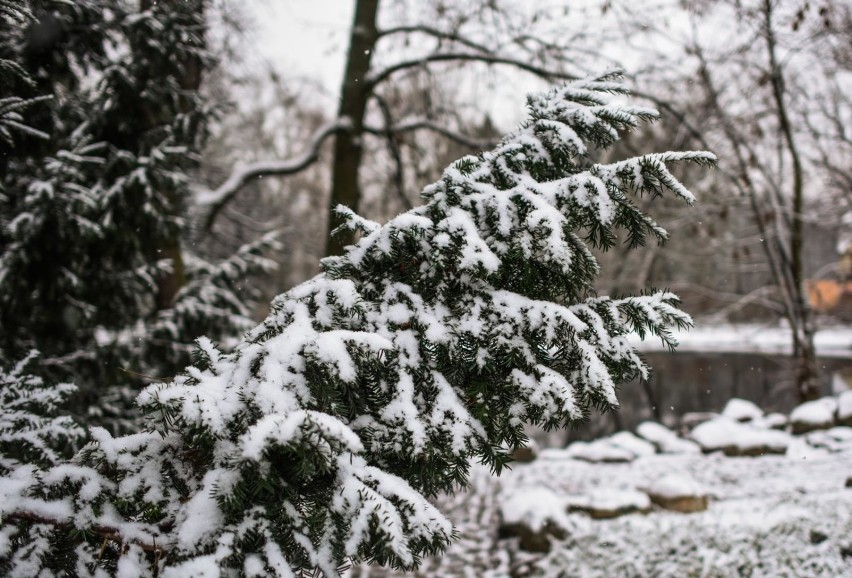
(160,183)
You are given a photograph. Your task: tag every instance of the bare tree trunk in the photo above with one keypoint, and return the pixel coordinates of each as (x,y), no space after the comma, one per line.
(354,95)
(807,372)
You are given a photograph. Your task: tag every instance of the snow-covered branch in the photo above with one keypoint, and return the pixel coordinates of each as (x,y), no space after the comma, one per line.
(214,201)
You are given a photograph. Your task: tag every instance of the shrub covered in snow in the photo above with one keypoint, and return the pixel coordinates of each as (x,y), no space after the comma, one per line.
(372,387)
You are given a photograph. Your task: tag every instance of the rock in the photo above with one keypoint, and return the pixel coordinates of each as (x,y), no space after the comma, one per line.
(742,410)
(526,454)
(738,439)
(844,408)
(599,451)
(666,441)
(605,503)
(835,439)
(777,421)
(849,482)
(813,415)
(530,540)
(678,493)
(534,515)
(846,552)
(817,537)
(691,420)
(633,444)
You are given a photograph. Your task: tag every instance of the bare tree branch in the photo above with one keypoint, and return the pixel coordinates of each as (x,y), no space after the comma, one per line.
(426,124)
(435,33)
(382,75)
(393,148)
(215,201)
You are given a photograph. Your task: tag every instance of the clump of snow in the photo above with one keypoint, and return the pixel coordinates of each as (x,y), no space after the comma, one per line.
(533,507)
(630,442)
(742,410)
(811,415)
(844,408)
(673,486)
(735,438)
(598,451)
(610,502)
(665,439)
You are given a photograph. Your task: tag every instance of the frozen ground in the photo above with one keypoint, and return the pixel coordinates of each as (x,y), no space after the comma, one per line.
(772,516)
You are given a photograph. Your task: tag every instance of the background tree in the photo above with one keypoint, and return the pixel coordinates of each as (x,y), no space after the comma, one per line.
(92,268)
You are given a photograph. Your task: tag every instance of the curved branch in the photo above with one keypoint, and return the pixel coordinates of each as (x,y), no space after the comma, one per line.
(384,74)
(426,124)
(215,201)
(435,33)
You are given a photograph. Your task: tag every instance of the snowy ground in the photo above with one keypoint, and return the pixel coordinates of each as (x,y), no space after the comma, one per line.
(772,516)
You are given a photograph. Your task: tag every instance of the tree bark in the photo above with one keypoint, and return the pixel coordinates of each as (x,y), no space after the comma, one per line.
(807,371)
(354,95)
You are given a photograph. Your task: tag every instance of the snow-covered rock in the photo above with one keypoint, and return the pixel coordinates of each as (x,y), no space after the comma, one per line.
(777,421)
(844,408)
(679,493)
(667,441)
(632,443)
(813,415)
(738,439)
(692,419)
(835,439)
(742,410)
(604,503)
(533,515)
(599,451)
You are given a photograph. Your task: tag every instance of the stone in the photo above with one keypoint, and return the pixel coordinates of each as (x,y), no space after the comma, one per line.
(813,415)
(534,515)
(691,420)
(737,439)
(817,537)
(678,493)
(525,454)
(742,410)
(665,440)
(844,408)
(606,503)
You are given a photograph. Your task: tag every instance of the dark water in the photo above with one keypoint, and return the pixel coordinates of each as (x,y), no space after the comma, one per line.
(686,382)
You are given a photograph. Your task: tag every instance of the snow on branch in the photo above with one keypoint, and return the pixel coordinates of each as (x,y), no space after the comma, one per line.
(214,201)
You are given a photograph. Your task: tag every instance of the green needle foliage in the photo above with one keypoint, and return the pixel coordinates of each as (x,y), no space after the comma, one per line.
(372,387)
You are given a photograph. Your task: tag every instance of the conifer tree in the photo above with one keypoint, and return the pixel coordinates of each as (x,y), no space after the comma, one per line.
(93,270)
(372,387)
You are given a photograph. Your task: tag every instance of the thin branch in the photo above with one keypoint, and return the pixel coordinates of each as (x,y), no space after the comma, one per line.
(382,75)
(393,148)
(215,201)
(425,124)
(435,33)
(148,543)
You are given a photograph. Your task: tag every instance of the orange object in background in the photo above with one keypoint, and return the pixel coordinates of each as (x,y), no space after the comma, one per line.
(830,296)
